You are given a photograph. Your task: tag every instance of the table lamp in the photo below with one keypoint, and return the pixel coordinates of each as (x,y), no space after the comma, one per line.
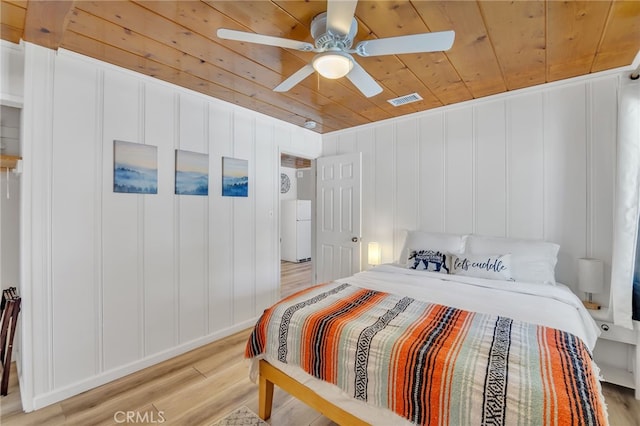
(590,279)
(374,254)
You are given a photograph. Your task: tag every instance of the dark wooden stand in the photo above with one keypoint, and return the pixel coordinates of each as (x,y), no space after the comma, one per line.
(9,310)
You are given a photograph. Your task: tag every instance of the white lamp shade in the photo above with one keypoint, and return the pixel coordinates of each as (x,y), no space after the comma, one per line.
(590,275)
(374,253)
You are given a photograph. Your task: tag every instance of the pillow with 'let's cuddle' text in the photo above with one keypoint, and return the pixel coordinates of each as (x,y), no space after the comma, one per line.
(490,266)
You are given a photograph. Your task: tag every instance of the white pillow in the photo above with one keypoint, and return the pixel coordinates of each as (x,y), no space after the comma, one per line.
(491,266)
(532,261)
(429,260)
(438,241)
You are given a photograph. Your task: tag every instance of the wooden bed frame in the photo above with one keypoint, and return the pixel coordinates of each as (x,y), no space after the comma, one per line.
(269,376)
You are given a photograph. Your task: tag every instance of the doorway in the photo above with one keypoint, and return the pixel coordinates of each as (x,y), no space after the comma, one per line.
(297,203)
(9,196)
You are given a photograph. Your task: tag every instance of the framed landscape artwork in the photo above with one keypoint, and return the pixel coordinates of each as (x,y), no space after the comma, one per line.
(235,177)
(135,168)
(192,173)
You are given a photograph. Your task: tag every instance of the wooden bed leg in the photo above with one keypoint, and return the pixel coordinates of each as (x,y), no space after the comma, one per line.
(265,398)
(270,376)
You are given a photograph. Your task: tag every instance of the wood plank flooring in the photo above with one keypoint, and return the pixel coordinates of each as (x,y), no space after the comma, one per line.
(294,277)
(201,386)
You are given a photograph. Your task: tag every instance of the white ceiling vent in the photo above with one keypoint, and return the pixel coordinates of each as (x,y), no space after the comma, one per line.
(406,99)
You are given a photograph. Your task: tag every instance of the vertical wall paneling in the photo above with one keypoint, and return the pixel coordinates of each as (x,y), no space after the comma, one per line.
(204,206)
(536,164)
(431,172)
(265,221)
(176,225)
(407,187)
(159,307)
(347,142)
(275,244)
(385,185)
(73,335)
(366,145)
(120,281)
(220,221)
(525,166)
(602,123)
(141,240)
(243,224)
(330,144)
(192,230)
(459,170)
(565,177)
(35,273)
(74,340)
(490,169)
(98,276)
(120,227)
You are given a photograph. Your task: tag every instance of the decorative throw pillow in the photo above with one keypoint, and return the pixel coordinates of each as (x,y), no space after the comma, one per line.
(532,261)
(491,266)
(429,260)
(437,241)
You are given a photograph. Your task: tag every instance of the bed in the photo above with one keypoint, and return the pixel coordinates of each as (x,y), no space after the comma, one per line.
(437,344)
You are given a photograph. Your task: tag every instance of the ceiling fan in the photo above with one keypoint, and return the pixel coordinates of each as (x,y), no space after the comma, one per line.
(333,32)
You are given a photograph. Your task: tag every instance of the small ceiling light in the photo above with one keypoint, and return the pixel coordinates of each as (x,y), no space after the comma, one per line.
(333,64)
(309,124)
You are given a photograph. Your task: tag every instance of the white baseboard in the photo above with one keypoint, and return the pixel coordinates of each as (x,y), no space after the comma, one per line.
(40,401)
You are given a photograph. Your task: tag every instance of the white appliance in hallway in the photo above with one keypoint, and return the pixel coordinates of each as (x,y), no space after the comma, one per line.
(295,230)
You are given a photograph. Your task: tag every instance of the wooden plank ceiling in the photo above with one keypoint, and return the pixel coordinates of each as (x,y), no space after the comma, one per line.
(499,46)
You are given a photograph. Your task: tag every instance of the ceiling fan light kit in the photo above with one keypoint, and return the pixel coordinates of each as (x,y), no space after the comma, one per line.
(332,65)
(333,32)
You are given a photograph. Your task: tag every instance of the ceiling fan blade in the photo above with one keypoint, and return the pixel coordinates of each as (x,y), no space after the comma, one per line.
(340,15)
(427,42)
(363,81)
(295,78)
(264,39)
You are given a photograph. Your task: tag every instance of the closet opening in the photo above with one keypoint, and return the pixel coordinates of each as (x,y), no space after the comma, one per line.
(10,288)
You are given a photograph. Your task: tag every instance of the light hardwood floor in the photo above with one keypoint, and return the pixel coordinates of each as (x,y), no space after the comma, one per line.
(294,277)
(203,385)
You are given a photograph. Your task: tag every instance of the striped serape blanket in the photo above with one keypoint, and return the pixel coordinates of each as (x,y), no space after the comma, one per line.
(433,364)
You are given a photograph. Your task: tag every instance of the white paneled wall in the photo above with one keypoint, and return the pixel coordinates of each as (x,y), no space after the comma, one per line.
(536,163)
(121,281)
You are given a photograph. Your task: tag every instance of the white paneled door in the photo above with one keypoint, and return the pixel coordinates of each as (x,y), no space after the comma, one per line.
(339,212)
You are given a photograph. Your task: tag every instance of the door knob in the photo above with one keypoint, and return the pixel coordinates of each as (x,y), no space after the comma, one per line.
(355,239)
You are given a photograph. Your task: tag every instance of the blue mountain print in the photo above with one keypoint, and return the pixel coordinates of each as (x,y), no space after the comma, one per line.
(192,183)
(135,179)
(235,186)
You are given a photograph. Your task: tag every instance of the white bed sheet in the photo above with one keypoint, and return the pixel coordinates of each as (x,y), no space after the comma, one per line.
(543,304)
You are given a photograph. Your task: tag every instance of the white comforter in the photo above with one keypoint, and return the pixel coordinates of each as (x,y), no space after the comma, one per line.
(544,304)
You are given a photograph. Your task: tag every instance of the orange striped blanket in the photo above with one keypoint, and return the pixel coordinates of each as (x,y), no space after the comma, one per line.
(433,364)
